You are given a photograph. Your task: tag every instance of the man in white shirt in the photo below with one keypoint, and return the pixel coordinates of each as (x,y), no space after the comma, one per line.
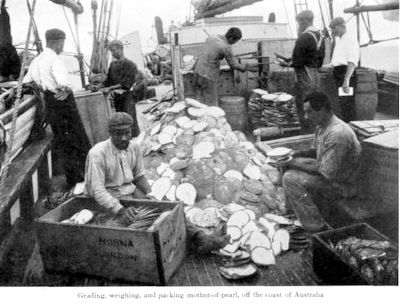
(49,73)
(345,57)
(114,167)
(115,171)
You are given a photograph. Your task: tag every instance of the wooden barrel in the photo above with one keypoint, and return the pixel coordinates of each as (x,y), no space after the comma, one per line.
(328,86)
(236,111)
(366,94)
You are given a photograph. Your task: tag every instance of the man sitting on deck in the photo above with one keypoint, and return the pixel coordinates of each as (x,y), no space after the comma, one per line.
(327,171)
(114,170)
(206,69)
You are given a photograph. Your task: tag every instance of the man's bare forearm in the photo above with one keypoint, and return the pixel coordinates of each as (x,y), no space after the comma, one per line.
(143,185)
(311,153)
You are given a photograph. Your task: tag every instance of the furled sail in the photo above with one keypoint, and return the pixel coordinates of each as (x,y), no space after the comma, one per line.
(211,8)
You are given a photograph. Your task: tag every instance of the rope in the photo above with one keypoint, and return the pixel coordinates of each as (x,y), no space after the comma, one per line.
(287,18)
(7,159)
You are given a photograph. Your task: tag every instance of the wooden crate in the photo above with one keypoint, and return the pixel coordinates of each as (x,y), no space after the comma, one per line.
(380,170)
(333,268)
(150,256)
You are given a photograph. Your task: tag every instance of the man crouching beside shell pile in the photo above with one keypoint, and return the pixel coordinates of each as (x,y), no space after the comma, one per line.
(114,170)
(327,171)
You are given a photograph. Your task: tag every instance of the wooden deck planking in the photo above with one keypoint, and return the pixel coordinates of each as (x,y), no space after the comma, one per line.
(292,268)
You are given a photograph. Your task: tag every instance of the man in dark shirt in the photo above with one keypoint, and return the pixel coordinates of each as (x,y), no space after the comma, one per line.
(120,79)
(306,60)
(207,68)
(327,171)
(10,64)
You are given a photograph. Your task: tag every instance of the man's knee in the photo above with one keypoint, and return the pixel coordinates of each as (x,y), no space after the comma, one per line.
(290,177)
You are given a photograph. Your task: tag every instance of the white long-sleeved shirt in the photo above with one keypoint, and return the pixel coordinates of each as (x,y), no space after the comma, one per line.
(48,71)
(110,173)
(346,50)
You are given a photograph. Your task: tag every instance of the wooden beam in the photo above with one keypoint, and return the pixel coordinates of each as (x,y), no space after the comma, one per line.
(372,8)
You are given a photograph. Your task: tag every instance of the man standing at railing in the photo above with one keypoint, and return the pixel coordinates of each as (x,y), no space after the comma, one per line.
(49,73)
(121,76)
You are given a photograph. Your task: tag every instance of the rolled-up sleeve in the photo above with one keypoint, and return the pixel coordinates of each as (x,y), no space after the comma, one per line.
(95,184)
(353,52)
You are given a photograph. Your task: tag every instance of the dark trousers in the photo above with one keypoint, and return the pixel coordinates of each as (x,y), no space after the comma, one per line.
(69,135)
(126,102)
(308,196)
(306,80)
(206,90)
(346,102)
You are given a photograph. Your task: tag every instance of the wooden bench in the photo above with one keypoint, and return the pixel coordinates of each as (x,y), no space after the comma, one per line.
(28,178)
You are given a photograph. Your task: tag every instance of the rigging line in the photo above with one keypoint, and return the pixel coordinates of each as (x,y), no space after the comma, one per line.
(8,156)
(287,18)
(70,28)
(119,11)
(378,41)
(75,42)
(367,28)
(100,19)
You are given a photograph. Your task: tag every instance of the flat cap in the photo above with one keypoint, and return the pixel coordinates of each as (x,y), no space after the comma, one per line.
(115,42)
(54,34)
(120,120)
(307,14)
(337,21)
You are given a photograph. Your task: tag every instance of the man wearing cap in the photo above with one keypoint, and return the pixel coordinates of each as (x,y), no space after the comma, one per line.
(121,76)
(207,66)
(114,171)
(306,59)
(325,172)
(49,73)
(114,167)
(345,57)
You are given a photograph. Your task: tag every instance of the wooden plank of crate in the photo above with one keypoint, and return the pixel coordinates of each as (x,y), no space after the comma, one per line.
(172,242)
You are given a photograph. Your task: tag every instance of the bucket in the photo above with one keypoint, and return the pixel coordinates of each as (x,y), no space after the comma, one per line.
(366,95)
(328,86)
(235,111)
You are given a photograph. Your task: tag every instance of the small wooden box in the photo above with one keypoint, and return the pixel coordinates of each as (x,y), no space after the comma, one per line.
(147,256)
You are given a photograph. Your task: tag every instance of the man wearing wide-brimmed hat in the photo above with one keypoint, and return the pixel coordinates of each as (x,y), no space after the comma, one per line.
(121,77)
(49,72)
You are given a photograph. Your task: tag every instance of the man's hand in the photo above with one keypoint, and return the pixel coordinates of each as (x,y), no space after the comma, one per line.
(325,67)
(284,63)
(105,90)
(346,87)
(62,93)
(123,217)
